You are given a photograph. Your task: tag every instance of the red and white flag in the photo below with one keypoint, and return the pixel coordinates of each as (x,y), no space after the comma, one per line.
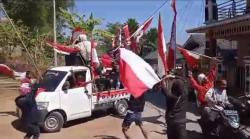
(7,71)
(162,50)
(172,48)
(136,75)
(191,58)
(142,29)
(135,37)
(127,35)
(63,49)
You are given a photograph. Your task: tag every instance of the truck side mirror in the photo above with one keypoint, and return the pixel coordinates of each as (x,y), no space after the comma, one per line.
(66,85)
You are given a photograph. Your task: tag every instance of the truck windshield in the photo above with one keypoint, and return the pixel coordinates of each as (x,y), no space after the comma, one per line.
(51,79)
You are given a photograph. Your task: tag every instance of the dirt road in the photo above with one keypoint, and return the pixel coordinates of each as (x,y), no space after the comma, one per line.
(100,126)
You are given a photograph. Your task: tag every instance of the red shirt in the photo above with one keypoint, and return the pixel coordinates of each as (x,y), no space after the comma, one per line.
(202,89)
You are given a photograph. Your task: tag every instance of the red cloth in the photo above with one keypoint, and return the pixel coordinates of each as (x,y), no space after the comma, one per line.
(107,61)
(202,89)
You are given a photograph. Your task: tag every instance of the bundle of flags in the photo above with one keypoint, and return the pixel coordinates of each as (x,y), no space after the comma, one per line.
(133,40)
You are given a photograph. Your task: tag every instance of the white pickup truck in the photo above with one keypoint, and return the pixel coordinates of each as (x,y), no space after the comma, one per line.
(59,101)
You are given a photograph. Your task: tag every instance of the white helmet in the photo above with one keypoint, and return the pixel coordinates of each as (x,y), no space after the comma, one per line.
(201,77)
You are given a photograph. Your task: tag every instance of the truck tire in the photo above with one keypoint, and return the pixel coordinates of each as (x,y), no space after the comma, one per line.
(121,107)
(53,122)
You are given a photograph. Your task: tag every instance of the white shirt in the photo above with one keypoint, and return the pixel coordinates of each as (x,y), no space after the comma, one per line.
(214,95)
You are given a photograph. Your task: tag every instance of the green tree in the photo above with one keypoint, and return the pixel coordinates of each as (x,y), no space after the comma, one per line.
(151,38)
(149,42)
(36,14)
(113,27)
(132,25)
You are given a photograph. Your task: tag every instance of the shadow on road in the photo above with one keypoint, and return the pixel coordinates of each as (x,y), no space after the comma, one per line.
(153,119)
(96,114)
(106,137)
(156,98)
(190,134)
(17,124)
(8,113)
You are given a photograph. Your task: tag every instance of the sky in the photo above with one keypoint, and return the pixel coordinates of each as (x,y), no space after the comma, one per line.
(190,13)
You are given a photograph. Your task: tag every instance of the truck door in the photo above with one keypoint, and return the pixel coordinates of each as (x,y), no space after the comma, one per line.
(75,99)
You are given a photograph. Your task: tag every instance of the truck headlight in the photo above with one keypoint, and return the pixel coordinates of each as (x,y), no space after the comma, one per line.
(42,105)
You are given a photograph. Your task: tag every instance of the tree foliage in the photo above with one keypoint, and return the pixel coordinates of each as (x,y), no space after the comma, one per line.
(132,24)
(36,14)
(73,20)
(35,44)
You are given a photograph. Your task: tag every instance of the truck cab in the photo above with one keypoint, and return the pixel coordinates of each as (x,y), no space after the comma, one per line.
(60,99)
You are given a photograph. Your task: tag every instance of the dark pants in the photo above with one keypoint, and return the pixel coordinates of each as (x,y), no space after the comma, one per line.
(33,130)
(130,118)
(176,130)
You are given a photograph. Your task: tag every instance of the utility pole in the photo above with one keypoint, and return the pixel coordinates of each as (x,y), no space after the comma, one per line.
(54,13)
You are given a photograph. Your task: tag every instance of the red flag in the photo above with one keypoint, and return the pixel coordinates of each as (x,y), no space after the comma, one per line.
(162,50)
(191,58)
(136,80)
(107,61)
(172,48)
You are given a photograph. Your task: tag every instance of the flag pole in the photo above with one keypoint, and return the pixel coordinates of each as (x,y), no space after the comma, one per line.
(202,55)
(54,30)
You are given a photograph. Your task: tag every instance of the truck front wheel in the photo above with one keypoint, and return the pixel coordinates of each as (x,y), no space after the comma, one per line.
(53,122)
(121,107)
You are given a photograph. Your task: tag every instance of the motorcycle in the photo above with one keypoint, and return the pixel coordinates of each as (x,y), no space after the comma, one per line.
(226,125)
(242,105)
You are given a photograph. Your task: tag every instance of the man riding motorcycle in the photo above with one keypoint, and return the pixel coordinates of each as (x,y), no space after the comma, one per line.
(217,100)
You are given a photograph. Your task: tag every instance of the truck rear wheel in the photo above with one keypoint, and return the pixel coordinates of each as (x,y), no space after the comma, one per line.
(121,107)
(53,122)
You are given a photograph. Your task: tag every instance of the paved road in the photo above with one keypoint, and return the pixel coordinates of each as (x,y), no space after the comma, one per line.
(101,126)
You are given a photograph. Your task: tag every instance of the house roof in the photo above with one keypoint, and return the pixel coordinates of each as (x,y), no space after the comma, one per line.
(194,41)
(154,54)
(205,28)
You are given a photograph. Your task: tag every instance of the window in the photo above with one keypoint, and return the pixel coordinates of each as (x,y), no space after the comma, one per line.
(51,79)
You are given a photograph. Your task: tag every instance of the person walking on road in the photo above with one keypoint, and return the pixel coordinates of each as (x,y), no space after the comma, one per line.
(135,109)
(30,114)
